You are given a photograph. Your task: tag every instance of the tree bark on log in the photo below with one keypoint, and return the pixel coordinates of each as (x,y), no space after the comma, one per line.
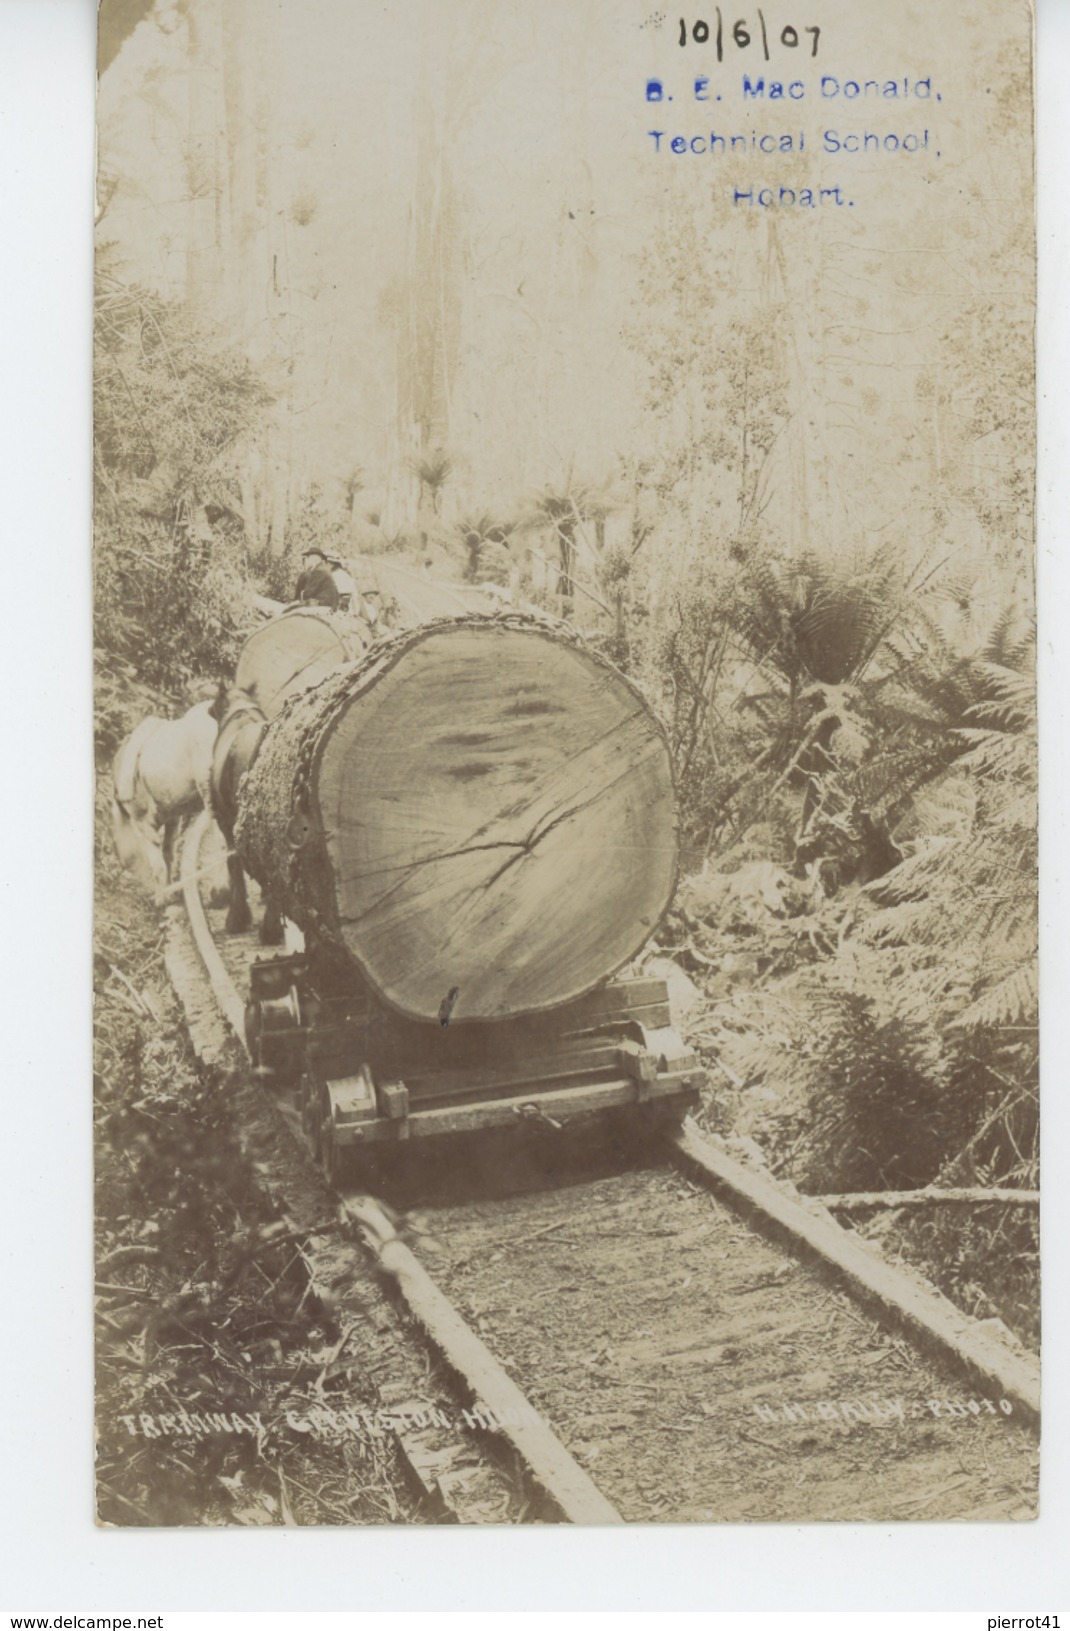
(479,816)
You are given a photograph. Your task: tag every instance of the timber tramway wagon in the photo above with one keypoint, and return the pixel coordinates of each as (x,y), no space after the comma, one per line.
(473,825)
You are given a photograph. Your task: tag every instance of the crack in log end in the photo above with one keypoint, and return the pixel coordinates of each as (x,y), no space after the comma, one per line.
(523,849)
(516,811)
(510,860)
(449,1002)
(535,837)
(410,863)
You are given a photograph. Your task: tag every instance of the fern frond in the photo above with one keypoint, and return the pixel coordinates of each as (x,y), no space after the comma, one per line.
(914,876)
(894,925)
(1011,1001)
(1018,811)
(996,753)
(1010,685)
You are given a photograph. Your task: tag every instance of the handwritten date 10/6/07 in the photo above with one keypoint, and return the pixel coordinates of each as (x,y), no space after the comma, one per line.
(742,34)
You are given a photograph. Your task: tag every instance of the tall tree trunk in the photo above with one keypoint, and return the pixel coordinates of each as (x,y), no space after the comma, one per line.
(243,265)
(566,547)
(799,508)
(429,335)
(202,159)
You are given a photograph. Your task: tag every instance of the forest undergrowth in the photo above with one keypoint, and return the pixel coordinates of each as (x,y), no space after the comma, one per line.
(861,915)
(212,1347)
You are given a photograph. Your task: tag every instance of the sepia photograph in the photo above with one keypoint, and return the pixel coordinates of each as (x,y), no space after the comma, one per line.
(565,859)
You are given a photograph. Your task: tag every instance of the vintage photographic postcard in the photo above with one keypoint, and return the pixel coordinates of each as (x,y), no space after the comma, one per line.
(566,915)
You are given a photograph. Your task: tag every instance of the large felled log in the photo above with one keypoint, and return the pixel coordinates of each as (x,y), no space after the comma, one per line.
(478,815)
(293,652)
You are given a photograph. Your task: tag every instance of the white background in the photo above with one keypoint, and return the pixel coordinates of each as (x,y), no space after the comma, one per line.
(52,1559)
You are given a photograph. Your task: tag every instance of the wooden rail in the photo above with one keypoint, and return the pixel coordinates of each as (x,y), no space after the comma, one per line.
(918,1200)
(223,988)
(931,1319)
(574,1494)
(553,1469)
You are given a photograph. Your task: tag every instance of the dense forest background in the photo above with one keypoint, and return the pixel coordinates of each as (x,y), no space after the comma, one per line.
(412,287)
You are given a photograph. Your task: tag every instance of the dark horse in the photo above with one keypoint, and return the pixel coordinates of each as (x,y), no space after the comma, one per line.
(241,728)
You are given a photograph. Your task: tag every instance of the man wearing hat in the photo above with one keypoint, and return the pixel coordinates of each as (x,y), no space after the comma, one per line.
(316,585)
(346,585)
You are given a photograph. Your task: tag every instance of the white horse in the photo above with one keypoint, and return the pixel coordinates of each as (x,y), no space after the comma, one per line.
(161,773)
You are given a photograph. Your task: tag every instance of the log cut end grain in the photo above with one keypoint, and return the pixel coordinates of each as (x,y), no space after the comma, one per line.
(291,653)
(480,815)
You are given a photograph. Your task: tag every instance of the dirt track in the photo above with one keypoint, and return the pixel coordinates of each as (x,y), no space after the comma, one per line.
(701,1374)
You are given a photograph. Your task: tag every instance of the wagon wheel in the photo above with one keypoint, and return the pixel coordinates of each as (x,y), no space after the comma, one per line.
(310,1115)
(331,1157)
(253,1033)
